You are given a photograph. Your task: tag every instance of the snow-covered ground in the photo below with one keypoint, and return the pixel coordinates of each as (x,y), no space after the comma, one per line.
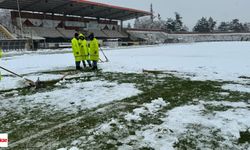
(188,121)
(182,120)
(194,121)
(205,61)
(73,96)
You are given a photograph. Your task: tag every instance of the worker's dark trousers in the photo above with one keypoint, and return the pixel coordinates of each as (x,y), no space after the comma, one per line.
(94,64)
(78,65)
(89,63)
(84,64)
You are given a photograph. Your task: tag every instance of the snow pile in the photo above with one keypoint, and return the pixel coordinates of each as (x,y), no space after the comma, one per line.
(72,148)
(186,123)
(9,83)
(146,109)
(150,136)
(102,129)
(74,96)
(237,87)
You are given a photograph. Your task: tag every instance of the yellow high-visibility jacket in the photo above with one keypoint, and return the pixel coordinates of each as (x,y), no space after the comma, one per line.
(76,49)
(83,49)
(1,54)
(94,50)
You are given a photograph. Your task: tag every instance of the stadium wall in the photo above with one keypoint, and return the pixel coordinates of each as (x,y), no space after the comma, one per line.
(52,21)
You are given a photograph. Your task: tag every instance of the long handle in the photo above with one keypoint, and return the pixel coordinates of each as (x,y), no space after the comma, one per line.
(101,60)
(11,72)
(17,75)
(104,55)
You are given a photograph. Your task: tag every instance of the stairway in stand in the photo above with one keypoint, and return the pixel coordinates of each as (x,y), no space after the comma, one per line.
(5,34)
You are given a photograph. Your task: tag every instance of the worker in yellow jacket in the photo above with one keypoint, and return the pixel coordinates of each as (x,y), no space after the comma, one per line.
(76,51)
(93,50)
(1,54)
(88,57)
(84,50)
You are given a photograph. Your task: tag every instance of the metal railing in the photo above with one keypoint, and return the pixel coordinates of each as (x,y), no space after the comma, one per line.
(13,45)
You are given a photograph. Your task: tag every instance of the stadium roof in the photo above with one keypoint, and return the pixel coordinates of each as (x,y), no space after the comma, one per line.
(75,7)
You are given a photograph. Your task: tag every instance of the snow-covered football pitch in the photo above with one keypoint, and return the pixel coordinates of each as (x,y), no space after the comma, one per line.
(176,96)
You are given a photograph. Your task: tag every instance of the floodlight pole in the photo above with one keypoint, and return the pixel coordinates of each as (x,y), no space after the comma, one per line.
(21,26)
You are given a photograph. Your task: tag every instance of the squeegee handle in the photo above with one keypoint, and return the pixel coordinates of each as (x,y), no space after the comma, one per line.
(104,54)
(17,74)
(11,72)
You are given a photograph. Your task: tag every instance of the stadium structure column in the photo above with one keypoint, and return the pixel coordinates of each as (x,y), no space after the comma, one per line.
(121,26)
(63,20)
(53,15)
(21,24)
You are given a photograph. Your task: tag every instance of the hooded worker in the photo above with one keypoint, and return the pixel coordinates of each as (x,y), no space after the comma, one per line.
(84,50)
(93,50)
(1,54)
(76,51)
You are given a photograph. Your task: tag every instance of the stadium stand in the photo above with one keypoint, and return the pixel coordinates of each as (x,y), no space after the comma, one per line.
(2,36)
(66,33)
(43,32)
(114,34)
(149,36)
(98,33)
(52,22)
(5,34)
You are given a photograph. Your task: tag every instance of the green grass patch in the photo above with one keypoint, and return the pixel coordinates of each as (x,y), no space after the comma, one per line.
(177,91)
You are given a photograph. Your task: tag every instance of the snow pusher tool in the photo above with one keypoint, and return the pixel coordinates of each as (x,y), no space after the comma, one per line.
(107,60)
(101,60)
(31,83)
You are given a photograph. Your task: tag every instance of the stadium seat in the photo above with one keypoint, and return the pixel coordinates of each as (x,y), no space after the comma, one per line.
(114,34)
(66,33)
(43,32)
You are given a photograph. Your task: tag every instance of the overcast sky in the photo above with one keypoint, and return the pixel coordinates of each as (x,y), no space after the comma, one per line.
(192,10)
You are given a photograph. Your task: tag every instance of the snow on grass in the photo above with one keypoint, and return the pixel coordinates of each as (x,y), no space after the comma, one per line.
(147,108)
(115,127)
(74,96)
(186,123)
(72,148)
(9,82)
(198,61)
(207,61)
(102,129)
(226,103)
(237,87)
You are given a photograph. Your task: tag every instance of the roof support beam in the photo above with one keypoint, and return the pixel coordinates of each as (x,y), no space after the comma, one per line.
(98,12)
(78,10)
(116,13)
(75,8)
(123,17)
(119,14)
(29,5)
(57,7)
